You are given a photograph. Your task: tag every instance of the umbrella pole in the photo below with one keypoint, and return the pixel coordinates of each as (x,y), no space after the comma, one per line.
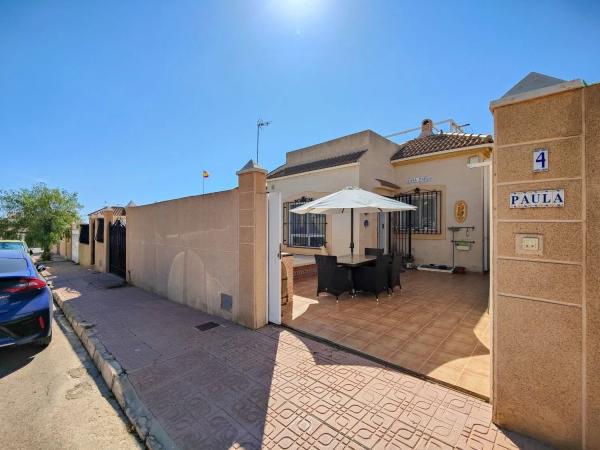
(351,231)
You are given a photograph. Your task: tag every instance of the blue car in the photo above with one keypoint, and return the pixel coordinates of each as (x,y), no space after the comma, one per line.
(25,301)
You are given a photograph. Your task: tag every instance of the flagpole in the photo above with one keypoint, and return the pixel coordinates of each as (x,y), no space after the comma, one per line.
(203,177)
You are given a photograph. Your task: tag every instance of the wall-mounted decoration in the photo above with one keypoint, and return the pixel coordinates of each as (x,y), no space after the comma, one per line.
(549,198)
(460,211)
(540,160)
(416,180)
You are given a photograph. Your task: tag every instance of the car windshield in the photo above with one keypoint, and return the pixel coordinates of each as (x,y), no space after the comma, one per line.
(11,246)
(10,265)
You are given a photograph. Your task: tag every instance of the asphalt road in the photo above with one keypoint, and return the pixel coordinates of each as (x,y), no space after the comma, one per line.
(54,398)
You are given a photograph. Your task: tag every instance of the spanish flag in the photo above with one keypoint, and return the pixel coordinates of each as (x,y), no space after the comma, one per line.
(204,174)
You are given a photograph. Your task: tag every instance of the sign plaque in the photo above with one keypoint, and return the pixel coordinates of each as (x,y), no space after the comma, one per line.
(549,198)
(422,179)
(540,160)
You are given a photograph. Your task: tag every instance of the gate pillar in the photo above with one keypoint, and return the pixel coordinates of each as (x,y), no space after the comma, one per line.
(108,217)
(252,181)
(546,288)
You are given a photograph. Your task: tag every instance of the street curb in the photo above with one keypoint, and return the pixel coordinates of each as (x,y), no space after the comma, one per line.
(146,425)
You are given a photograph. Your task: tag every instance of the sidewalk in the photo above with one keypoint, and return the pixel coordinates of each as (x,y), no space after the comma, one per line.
(230,387)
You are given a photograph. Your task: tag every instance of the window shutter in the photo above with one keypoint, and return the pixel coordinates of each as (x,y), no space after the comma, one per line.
(84,233)
(100,230)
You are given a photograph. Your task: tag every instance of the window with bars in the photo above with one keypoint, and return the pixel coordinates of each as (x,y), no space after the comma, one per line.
(100,230)
(427,218)
(303,230)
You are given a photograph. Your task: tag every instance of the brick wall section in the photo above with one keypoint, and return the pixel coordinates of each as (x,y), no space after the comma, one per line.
(287,265)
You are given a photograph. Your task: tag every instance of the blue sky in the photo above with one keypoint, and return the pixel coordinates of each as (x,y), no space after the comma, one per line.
(131,100)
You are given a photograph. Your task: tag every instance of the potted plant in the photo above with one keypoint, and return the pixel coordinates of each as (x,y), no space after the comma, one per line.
(409,261)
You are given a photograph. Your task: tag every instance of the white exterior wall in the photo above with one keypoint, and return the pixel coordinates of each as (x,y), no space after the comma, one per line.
(457,182)
(75,243)
(340,146)
(316,185)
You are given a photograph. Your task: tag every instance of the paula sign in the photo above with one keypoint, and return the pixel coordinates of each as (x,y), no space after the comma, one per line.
(549,198)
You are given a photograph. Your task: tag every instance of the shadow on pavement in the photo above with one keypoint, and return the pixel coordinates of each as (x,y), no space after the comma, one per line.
(16,357)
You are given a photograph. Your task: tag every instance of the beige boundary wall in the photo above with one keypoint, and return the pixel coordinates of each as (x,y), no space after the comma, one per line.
(546,305)
(85,258)
(206,251)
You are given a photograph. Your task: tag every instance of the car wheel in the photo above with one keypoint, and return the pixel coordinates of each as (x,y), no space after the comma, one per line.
(44,342)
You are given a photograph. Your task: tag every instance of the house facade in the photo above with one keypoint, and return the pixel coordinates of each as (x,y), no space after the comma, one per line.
(444,174)
(99,224)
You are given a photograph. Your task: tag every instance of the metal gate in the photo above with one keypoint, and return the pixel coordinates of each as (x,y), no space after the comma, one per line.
(116,237)
(426,219)
(400,233)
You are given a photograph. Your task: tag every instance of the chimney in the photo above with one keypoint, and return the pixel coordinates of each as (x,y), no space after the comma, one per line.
(426,128)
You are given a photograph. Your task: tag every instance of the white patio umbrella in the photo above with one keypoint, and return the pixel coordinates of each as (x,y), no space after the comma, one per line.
(352,198)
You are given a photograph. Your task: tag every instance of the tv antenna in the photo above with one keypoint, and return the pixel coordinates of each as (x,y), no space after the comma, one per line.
(259,124)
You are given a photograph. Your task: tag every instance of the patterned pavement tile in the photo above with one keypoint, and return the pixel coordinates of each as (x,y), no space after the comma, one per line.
(230,387)
(326,437)
(345,420)
(249,416)
(481,429)
(401,434)
(284,440)
(246,442)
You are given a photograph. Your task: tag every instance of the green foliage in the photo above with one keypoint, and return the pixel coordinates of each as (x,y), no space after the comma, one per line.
(42,214)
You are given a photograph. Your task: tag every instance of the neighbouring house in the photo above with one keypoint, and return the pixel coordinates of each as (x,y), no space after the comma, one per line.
(99,226)
(443,173)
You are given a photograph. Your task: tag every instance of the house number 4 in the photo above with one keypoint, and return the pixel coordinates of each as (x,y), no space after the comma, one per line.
(540,160)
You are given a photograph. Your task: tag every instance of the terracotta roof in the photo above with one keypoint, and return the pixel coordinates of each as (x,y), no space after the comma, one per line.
(340,160)
(438,143)
(117,210)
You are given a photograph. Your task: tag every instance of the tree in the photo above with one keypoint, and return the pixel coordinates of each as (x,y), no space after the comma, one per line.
(42,214)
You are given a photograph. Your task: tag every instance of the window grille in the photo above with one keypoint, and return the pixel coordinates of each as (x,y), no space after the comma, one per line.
(303,230)
(428,216)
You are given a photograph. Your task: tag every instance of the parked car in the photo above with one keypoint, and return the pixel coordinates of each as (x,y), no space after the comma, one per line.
(25,301)
(13,244)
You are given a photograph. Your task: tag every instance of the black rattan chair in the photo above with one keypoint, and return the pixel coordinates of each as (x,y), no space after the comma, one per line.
(394,269)
(373,279)
(331,278)
(373,252)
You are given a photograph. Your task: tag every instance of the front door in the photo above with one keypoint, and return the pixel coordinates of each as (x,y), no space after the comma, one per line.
(382,231)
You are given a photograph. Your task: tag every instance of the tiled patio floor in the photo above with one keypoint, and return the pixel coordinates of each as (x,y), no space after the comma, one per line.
(437,325)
